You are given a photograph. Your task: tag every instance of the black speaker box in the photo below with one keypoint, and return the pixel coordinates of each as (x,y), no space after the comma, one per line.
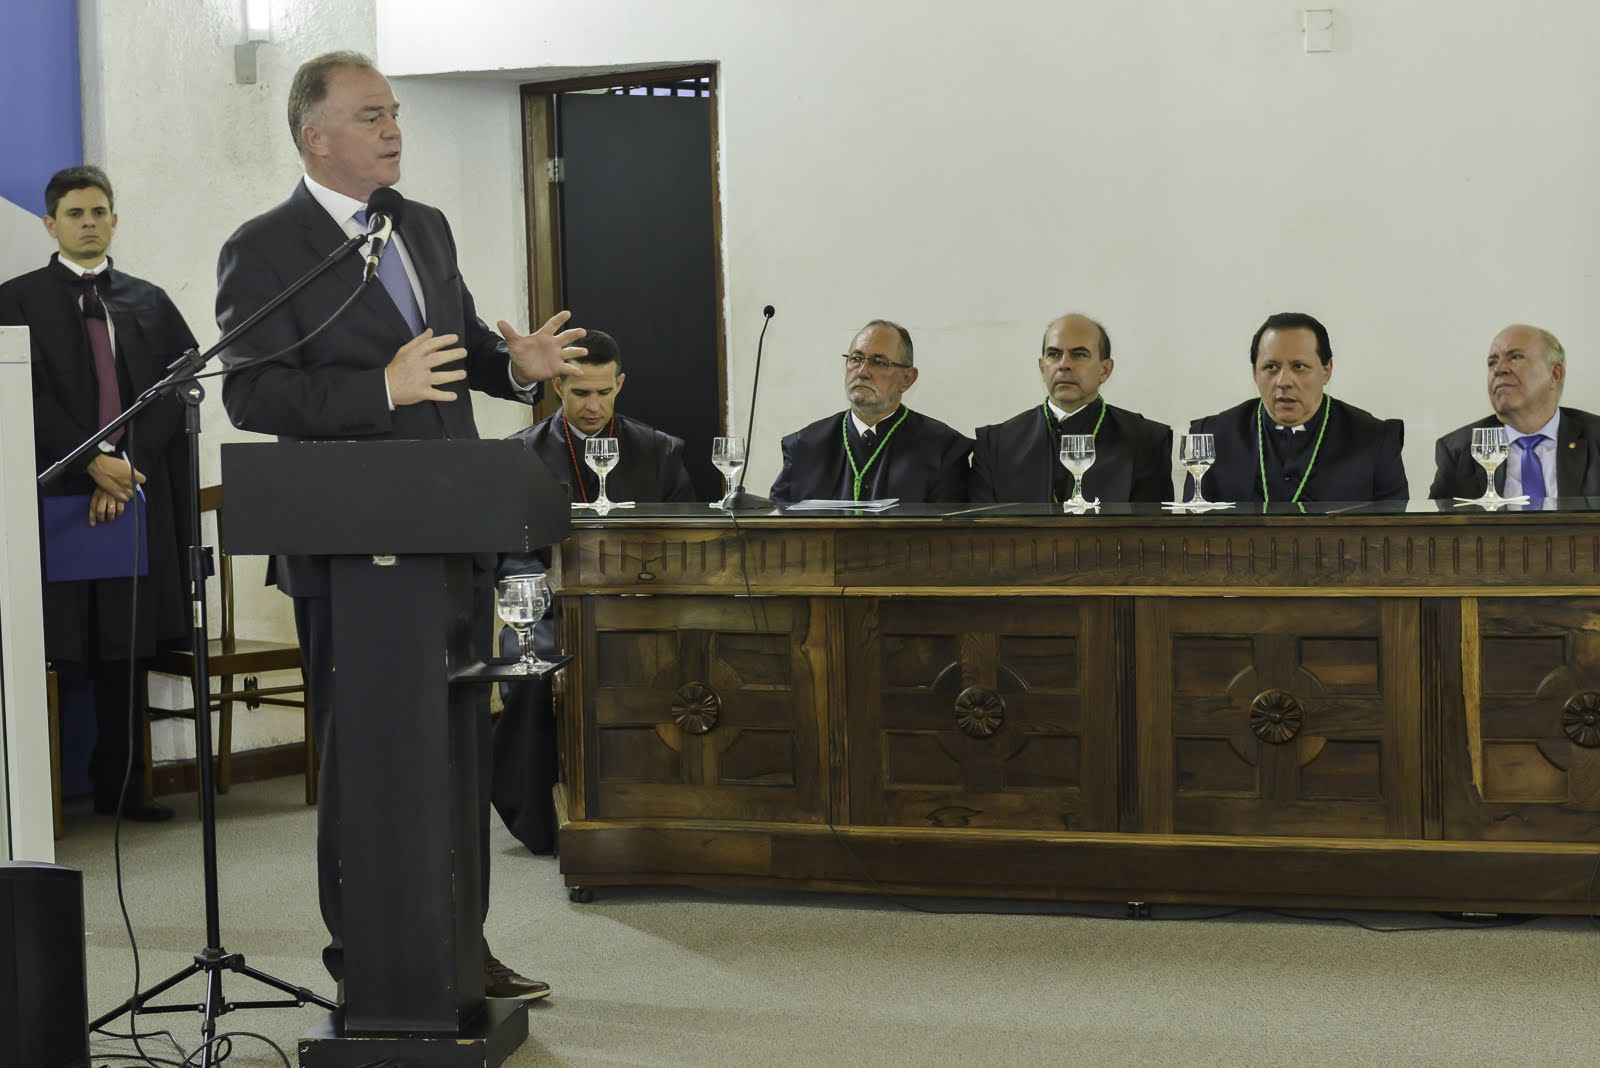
(44,993)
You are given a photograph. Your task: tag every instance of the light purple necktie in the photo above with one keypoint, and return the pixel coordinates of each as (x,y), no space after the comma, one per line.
(1532,470)
(392,273)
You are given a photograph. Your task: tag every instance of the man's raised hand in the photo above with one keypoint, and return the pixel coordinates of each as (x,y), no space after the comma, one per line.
(545,353)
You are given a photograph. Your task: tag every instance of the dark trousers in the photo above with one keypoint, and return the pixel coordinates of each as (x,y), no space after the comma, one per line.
(116,728)
(313,620)
(525,754)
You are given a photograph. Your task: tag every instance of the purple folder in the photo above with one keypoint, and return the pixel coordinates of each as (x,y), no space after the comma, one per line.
(74,551)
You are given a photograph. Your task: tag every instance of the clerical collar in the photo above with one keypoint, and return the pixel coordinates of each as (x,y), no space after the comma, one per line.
(862,428)
(100,268)
(1548,430)
(1056,411)
(1300,428)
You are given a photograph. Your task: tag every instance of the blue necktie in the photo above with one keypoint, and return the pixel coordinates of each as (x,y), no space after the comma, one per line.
(1532,470)
(392,273)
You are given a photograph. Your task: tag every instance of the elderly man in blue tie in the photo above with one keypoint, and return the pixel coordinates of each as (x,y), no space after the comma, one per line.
(1552,448)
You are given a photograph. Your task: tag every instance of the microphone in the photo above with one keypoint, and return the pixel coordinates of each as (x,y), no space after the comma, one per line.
(739,494)
(384,209)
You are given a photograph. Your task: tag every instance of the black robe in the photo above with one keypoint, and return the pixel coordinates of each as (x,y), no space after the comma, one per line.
(1457,474)
(924,460)
(1019,459)
(88,621)
(649,469)
(1359,459)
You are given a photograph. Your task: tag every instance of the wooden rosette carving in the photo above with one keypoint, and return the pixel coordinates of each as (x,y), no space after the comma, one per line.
(1580,719)
(1276,716)
(979,712)
(696,708)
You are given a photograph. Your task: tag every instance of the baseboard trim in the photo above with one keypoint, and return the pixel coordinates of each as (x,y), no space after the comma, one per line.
(251,765)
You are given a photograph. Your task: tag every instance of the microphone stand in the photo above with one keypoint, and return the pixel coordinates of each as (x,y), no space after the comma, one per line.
(213,960)
(739,497)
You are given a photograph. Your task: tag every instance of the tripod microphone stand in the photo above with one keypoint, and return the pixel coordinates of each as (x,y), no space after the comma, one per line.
(213,960)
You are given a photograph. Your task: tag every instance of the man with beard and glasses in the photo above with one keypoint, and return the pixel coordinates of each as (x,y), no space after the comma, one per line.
(877,448)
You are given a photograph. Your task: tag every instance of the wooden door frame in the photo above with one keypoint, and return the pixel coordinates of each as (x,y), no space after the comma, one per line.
(543,209)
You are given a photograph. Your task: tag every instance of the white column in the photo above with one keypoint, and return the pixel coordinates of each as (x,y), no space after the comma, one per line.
(26,825)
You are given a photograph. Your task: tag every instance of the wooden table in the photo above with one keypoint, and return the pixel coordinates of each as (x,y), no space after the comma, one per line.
(1364,706)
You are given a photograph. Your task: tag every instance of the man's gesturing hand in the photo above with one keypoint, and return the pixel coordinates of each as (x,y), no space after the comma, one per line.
(414,374)
(543,354)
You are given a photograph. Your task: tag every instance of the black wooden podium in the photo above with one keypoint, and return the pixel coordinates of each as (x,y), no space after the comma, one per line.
(401,523)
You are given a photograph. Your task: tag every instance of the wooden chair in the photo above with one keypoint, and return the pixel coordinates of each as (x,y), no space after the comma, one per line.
(232,659)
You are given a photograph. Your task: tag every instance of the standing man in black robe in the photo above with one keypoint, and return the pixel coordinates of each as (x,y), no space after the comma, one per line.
(877,448)
(1019,459)
(396,366)
(1295,443)
(649,469)
(100,337)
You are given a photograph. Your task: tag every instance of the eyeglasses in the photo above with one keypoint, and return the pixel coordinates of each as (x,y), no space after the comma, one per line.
(854,360)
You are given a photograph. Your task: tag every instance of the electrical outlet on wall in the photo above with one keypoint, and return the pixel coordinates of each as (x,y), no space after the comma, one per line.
(1316,29)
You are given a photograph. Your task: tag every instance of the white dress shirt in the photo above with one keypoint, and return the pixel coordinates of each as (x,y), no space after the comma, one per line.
(1060,415)
(862,428)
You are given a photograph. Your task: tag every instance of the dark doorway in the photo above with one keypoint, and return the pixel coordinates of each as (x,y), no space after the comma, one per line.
(635,252)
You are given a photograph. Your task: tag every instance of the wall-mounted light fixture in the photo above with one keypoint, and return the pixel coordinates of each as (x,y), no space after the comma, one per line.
(257,31)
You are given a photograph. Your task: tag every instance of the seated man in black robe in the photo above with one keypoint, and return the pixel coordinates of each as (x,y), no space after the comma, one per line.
(877,448)
(649,469)
(1019,459)
(1295,443)
(1554,451)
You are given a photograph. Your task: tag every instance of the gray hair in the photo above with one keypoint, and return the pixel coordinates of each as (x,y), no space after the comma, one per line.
(310,86)
(905,336)
(1553,352)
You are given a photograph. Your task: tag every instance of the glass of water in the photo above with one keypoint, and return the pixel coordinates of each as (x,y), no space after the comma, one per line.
(1077,456)
(601,456)
(1197,452)
(522,601)
(727,456)
(1489,448)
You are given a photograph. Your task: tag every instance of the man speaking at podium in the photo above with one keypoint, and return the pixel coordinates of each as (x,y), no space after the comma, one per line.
(396,365)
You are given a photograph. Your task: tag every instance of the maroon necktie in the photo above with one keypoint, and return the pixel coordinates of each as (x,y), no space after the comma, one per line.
(105,363)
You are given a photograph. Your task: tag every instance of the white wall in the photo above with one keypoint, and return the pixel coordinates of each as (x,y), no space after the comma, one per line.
(1177,169)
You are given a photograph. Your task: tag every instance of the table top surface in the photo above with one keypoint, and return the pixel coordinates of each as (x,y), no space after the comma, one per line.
(1565,511)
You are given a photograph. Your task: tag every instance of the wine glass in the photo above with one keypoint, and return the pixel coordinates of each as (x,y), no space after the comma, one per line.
(1197,452)
(1077,456)
(522,601)
(727,456)
(601,456)
(1489,448)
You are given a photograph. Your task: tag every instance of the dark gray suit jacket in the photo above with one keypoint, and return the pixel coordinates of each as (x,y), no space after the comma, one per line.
(1457,474)
(333,387)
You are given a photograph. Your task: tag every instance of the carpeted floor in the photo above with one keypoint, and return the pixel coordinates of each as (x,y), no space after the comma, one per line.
(670,977)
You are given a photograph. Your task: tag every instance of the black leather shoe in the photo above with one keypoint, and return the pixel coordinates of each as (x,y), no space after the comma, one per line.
(139,811)
(500,981)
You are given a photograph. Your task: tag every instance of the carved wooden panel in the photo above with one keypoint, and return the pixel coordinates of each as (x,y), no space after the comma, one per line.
(1348,551)
(1522,745)
(668,555)
(1280,716)
(706,707)
(990,713)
